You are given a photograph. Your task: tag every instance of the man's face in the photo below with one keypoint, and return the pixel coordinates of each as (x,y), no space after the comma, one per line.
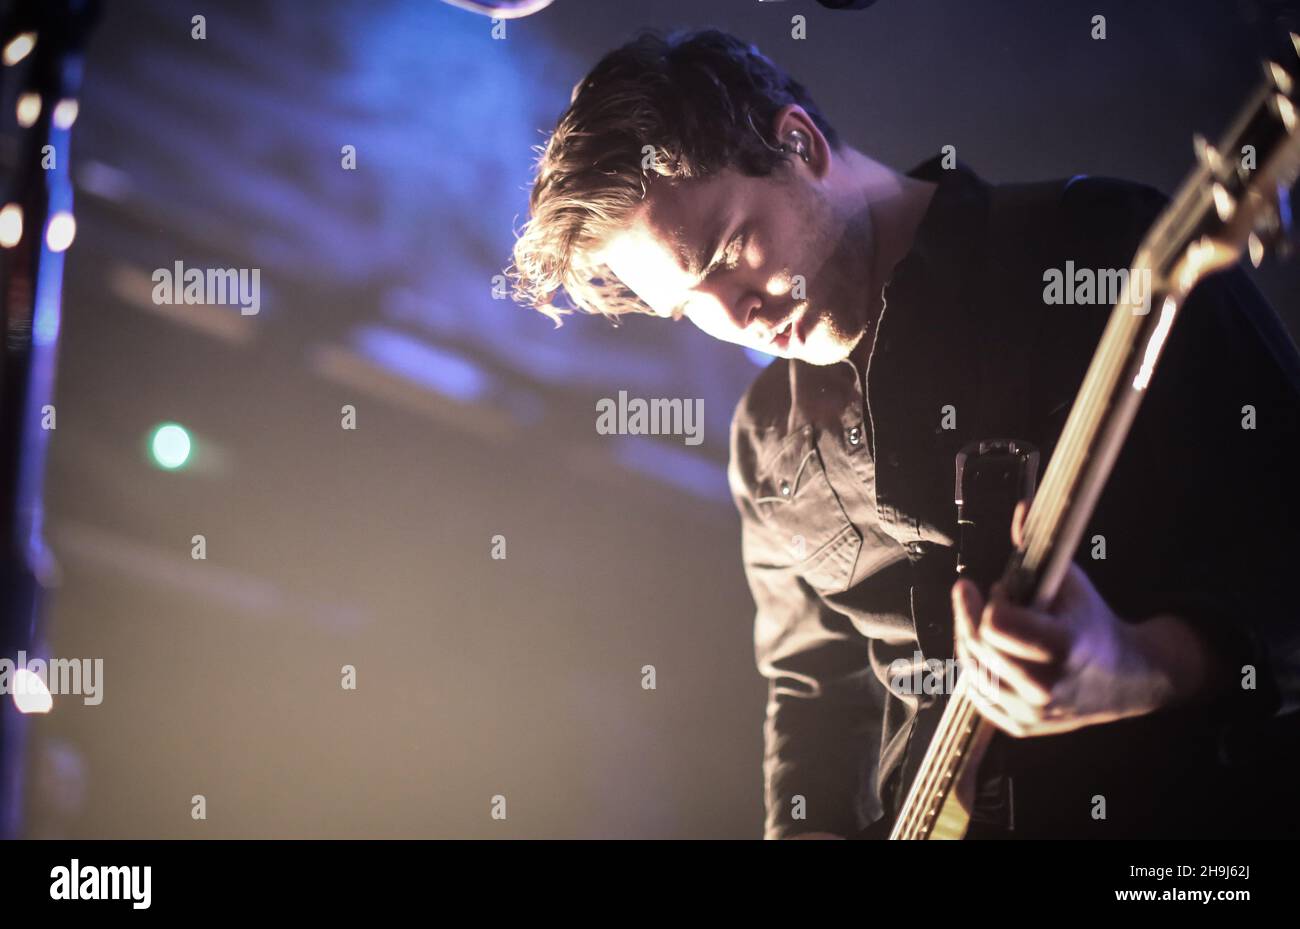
(763,262)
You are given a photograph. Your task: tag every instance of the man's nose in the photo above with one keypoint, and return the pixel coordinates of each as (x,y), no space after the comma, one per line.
(747,313)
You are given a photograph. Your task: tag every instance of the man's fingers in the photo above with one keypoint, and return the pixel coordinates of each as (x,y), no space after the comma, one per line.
(1031,685)
(1003,707)
(1025,683)
(995,714)
(1024,633)
(1018,523)
(966,606)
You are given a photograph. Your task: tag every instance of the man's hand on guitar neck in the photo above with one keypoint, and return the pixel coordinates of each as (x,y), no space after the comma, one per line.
(1077,664)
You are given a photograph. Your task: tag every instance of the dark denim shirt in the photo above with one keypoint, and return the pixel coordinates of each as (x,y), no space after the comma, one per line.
(849,527)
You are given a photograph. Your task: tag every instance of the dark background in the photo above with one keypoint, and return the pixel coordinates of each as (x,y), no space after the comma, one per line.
(371,547)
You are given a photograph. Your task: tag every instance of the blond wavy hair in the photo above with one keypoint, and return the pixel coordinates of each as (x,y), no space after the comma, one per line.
(697,100)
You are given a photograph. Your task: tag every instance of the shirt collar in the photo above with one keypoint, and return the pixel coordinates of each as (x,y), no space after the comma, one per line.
(923,303)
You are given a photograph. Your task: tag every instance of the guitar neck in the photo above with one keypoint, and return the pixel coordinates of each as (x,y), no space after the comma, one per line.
(1098,422)
(1234,201)
(1094,433)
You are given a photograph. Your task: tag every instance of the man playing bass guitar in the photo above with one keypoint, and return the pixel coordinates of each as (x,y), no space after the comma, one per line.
(911,313)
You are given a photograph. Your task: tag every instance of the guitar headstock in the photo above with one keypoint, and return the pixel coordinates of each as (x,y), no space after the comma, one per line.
(1237,202)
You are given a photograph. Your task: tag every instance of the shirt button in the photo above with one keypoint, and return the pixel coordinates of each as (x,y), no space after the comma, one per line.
(855,435)
(785,488)
(915,548)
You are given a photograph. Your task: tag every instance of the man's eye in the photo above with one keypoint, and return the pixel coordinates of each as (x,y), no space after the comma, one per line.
(735,248)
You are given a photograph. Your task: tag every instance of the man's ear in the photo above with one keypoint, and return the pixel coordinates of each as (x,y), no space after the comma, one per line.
(794,118)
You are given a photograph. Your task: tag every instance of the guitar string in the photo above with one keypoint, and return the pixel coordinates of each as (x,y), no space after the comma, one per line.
(1056,483)
(949,732)
(1177,224)
(1189,205)
(919,815)
(1054,495)
(947,757)
(931,775)
(1059,483)
(927,791)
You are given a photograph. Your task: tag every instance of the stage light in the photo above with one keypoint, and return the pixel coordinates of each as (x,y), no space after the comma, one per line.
(28,110)
(502,9)
(65,113)
(170,446)
(19,47)
(11,225)
(30,693)
(61,231)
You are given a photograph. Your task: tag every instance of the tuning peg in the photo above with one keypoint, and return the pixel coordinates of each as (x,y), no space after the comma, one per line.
(1207,155)
(1255,245)
(1285,111)
(1280,77)
(1224,203)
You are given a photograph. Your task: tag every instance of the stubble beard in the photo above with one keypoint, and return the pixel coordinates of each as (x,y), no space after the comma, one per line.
(847,279)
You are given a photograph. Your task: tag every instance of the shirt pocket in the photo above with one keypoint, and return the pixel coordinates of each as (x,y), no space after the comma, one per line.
(794,497)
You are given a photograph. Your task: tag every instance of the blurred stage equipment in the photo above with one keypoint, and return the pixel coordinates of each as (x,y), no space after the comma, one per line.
(501,9)
(41,63)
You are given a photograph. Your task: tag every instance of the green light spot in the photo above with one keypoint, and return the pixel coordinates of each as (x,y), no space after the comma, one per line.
(170,446)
